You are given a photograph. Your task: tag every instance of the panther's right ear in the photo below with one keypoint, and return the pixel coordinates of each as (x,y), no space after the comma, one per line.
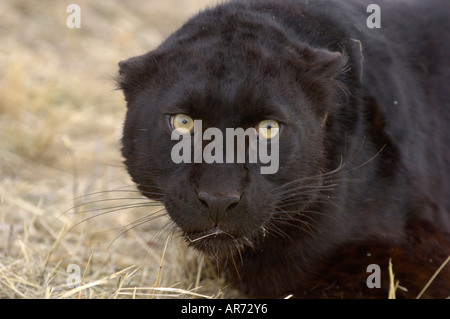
(135,74)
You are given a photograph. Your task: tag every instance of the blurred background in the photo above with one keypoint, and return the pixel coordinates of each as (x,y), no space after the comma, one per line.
(63,186)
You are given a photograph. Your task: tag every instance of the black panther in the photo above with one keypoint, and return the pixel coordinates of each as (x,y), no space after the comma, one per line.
(362,118)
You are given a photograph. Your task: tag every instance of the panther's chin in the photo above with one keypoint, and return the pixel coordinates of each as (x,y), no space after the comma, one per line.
(215,242)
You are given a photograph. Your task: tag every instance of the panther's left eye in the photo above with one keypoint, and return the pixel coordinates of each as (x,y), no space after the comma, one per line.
(182,123)
(268,129)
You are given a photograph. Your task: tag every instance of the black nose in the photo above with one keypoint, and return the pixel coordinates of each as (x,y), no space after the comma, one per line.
(218,204)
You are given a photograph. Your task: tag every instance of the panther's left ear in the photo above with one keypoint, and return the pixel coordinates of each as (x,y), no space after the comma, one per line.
(135,73)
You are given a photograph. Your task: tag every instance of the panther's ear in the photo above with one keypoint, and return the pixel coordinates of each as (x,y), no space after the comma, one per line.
(323,62)
(135,74)
(320,74)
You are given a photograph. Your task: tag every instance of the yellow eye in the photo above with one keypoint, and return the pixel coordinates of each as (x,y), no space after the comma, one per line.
(182,123)
(268,129)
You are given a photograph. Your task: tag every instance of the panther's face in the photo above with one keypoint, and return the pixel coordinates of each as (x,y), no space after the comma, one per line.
(205,82)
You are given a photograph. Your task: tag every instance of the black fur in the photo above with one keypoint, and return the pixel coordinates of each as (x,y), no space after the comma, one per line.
(364,143)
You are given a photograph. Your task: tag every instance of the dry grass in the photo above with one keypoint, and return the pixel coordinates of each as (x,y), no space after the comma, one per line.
(60,126)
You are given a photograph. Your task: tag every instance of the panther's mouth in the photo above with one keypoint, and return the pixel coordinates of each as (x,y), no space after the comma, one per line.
(213,232)
(217,242)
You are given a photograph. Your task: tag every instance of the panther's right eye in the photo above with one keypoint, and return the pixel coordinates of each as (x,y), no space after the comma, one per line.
(182,123)
(268,129)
